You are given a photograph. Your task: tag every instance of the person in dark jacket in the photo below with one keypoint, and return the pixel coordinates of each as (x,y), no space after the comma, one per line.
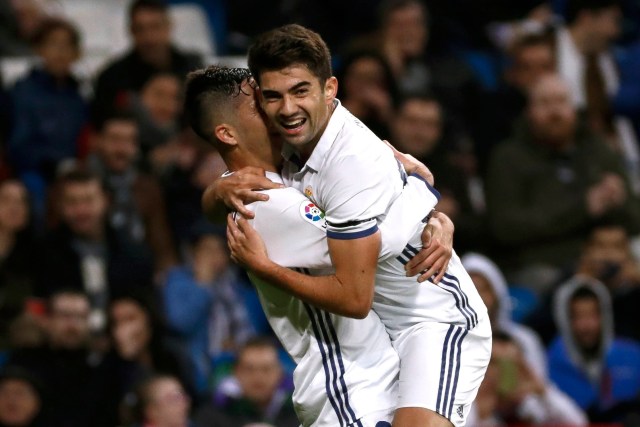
(49,113)
(152,52)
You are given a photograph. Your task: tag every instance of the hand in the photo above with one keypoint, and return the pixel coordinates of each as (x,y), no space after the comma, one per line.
(437,249)
(411,164)
(610,192)
(245,244)
(238,189)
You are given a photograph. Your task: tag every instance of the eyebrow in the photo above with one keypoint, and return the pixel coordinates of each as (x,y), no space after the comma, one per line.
(271,92)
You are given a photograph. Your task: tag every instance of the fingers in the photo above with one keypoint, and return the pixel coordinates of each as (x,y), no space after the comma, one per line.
(239,206)
(417,263)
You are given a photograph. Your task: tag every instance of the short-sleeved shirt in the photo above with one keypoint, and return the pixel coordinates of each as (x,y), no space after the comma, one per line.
(346,368)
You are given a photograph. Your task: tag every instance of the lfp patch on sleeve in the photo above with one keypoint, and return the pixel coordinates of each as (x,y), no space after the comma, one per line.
(313,214)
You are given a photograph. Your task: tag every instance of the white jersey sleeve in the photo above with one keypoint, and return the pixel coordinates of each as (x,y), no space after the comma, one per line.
(293,229)
(358,193)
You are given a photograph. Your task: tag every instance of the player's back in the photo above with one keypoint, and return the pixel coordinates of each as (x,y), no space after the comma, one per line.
(345,367)
(401,301)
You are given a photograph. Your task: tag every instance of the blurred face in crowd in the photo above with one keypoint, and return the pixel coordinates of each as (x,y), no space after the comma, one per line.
(69,321)
(19,402)
(168,404)
(551,114)
(58,52)
(14,208)
(487,294)
(161,95)
(610,244)
(586,323)
(211,251)
(83,207)
(131,328)
(530,63)
(417,127)
(363,75)
(406,28)
(259,373)
(29,14)
(603,26)
(118,144)
(151,31)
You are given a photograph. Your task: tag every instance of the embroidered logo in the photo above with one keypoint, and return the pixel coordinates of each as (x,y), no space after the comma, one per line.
(308,191)
(460,411)
(313,212)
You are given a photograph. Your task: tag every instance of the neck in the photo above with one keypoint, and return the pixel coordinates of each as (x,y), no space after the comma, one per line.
(238,159)
(160,59)
(7,241)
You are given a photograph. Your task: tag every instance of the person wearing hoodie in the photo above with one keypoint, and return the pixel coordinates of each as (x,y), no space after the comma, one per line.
(492,286)
(524,392)
(599,371)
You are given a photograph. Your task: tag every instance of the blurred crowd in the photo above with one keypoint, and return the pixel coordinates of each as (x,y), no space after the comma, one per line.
(119,304)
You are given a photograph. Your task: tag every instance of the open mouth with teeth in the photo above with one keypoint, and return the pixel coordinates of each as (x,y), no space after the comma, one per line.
(292,126)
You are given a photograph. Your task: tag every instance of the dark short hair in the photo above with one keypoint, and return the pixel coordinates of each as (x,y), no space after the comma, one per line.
(49,25)
(575,7)
(117,115)
(584,292)
(290,45)
(77,175)
(208,91)
(388,7)
(155,5)
(257,342)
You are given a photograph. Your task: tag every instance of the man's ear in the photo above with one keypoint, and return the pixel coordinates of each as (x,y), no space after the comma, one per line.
(330,89)
(226,134)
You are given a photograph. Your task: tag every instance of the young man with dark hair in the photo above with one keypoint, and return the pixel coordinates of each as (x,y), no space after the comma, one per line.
(343,364)
(358,186)
(598,370)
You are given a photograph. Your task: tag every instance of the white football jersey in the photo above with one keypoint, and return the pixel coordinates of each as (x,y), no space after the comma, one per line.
(346,368)
(354,178)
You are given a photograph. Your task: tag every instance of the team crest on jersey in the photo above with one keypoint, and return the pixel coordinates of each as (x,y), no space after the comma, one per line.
(308,191)
(313,214)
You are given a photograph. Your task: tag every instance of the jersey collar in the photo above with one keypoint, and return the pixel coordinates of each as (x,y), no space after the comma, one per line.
(336,122)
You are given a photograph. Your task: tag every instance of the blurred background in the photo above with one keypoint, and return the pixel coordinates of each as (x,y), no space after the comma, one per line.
(119,305)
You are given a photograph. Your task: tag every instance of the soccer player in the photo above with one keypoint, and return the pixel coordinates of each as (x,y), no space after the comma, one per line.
(347,369)
(440,329)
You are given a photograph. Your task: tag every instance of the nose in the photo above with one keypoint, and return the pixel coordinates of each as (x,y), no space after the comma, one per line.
(288,107)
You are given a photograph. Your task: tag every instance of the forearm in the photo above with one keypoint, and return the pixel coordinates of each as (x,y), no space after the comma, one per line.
(326,292)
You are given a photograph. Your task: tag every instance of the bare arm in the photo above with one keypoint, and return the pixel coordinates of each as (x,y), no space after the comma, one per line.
(347,292)
(238,189)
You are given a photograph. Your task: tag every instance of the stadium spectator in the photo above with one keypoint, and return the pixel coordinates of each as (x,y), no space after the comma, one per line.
(85,252)
(368,89)
(137,205)
(158,109)
(203,302)
(600,372)
(607,257)
(493,289)
(19,21)
(257,393)
(150,28)
(403,39)
(49,112)
(550,185)
(529,57)
(162,402)
(18,255)
(141,347)
(418,129)
(79,385)
(585,55)
(512,393)
(22,399)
